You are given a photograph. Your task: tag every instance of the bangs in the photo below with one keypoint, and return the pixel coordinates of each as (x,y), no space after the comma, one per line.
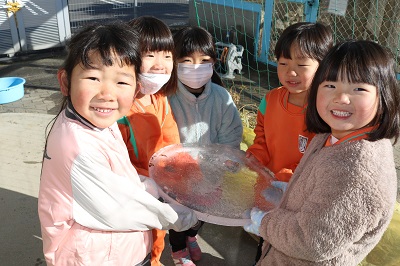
(193,40)
(352,64)
(158,44)
(105,57)
(198,45)
(155,35)
(111,47)
(157,39)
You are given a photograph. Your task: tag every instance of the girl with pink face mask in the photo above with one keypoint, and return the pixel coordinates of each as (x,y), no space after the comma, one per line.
(150,125)
(205,114)
(203,109)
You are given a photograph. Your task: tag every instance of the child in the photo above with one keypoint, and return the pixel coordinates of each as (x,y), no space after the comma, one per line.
(205,114)
(281,138)
(203,109)
(341,197)
(94,208)
(150,125)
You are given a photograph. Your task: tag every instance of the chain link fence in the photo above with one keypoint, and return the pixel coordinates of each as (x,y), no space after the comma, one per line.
(175,13)
(377,20)
(367,19)
(363,19)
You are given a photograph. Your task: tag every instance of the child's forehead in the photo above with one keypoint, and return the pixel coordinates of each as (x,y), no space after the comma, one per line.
(95,57)
(198,54)
(149,50)
(294,52)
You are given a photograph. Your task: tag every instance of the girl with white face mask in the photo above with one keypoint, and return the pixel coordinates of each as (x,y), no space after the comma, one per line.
(150,125)
(205,114)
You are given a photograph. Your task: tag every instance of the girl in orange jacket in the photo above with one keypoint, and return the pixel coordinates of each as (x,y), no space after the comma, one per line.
(150,125)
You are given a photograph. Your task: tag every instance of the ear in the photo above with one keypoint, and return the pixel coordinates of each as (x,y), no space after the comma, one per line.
(63,81)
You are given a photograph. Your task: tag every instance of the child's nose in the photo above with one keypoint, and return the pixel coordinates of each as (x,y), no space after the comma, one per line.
(342,98)
(291,72)
(158,65)
(106,93)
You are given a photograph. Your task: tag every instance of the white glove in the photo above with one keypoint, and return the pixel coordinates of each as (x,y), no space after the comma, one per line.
(280,184)
(151,187)
(186,217)
(256,216)
(274,194)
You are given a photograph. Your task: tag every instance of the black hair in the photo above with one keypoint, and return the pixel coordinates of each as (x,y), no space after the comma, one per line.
(155,35)
(115,42)
(360,62)
(196,39)
(312,39)
(109,40)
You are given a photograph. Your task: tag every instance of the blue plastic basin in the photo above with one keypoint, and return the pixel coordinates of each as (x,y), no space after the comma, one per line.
(11,89)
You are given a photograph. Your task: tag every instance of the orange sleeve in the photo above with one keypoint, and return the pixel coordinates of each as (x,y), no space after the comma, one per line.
(169,128)
(259,148)
(281,135)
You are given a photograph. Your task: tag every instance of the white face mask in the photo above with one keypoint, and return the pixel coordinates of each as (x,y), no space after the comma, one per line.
(195,76)
(151,83)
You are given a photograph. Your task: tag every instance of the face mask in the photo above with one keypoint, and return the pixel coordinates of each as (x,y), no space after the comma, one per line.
(151,83)
(195,76)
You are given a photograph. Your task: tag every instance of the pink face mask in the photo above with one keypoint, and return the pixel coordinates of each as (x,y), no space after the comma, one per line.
(195,76)
(152,83)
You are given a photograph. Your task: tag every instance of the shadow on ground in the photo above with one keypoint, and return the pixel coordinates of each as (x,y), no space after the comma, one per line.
(21,242)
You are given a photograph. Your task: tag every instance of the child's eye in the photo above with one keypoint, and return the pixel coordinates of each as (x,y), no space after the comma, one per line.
(149,55)
(92,78)
(282,64)
(331,86)
(360,89)
(124,83)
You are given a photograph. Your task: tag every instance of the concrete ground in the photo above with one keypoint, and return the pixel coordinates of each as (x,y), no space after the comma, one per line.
(22,136)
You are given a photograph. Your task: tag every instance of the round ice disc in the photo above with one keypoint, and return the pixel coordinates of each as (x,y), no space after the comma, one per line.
(216,181)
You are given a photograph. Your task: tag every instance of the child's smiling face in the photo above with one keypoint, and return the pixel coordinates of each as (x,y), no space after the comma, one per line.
(157,62)
(347,107)
(296,73)
(101,94)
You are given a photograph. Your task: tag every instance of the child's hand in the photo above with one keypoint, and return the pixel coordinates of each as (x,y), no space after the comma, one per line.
(151,187)
(256,216)
(284,174)
(187,218)
(280,185)
(252,160)
(274,194)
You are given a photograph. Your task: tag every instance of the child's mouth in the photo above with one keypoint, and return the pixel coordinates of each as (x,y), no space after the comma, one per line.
(101,110)
(340,113)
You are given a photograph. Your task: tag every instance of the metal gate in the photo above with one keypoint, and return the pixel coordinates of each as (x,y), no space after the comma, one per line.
(33,25)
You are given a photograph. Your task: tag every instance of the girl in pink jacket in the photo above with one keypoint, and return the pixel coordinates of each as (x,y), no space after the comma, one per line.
(94,208)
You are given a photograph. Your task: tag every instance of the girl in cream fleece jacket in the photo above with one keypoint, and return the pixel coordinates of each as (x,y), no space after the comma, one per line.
(341,197)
